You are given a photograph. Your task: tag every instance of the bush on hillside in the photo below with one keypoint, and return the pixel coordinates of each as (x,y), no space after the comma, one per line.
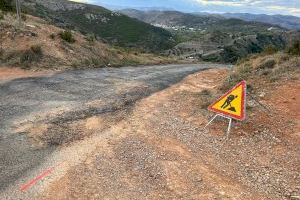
(270,50)
(33,54)
(294,49)
(230,55)
(90,38)
(37,49)
(205,97)
(67,36)
(52,36)
(6,5)
(1,53)
(268,64)
(23,17)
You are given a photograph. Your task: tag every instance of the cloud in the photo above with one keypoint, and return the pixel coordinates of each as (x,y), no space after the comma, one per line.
(287,7)
(227,2)
(80,1)
(291,7)
(284,9)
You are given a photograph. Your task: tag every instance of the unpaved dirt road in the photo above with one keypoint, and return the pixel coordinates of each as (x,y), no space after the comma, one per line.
(70,96)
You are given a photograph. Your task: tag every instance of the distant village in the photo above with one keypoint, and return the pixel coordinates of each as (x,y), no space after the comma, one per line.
(202,30)
(179,28)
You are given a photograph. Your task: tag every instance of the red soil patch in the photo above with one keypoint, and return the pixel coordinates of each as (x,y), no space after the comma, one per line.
(7,73)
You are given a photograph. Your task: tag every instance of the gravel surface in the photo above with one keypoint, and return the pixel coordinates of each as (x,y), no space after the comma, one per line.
(160,151)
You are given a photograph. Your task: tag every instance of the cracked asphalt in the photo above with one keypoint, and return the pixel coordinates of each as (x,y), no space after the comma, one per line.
(23,99)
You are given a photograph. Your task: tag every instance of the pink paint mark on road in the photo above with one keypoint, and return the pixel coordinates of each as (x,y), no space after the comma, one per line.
(33,181)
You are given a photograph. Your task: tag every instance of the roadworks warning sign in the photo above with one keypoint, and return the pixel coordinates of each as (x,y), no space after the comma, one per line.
(233,103)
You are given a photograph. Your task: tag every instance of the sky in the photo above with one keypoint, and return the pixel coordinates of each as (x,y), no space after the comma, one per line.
(284,7)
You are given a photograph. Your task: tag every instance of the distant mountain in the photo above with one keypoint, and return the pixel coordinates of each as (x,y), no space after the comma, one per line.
(117,8)
(171,19)
(111,26)
(285,21)
(213,37)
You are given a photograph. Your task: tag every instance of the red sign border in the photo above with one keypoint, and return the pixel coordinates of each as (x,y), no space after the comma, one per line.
(243,112)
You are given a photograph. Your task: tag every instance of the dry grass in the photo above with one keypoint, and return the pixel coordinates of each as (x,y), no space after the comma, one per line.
(261,72)
(206,98)
(264,69)
(63,53)
(33,54)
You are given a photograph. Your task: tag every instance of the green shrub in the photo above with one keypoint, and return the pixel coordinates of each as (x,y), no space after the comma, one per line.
(242,60)
(37,49)
(283,58)
(1,16)
(205,92)
(230,54)
(23,17)
(1,53)
(206,98)
(264,72)
(268,64)
(52,36)
(6,5)
(232,80)
(91,38)
(294,49)
(270,50)
(33,54)
(67,36)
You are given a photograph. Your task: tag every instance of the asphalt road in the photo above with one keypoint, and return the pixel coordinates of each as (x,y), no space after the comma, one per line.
(21,99)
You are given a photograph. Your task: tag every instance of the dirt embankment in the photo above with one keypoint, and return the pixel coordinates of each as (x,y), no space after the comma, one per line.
(36,44)
(9,73)
(160,151)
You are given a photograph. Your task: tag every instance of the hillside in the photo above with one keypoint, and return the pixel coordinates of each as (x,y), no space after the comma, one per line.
(112,27)
(178,20)
(213,37)
(169,19)
(40,45)
(152,16)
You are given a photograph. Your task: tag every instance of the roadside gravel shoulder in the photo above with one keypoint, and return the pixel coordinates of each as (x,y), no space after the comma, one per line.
(158,150)
(161,152)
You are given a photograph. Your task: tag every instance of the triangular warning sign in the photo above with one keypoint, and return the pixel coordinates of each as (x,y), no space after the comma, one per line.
(233,103)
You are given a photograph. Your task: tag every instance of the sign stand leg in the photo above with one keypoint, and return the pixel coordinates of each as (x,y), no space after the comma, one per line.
(211,121)
(229,127)
(229,124)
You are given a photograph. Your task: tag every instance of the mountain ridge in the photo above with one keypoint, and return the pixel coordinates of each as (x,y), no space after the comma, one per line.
(112,27)
(213,37)
(285,21)
(177,18)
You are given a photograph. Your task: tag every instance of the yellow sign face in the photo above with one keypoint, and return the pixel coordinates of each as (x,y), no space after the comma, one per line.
(232,104)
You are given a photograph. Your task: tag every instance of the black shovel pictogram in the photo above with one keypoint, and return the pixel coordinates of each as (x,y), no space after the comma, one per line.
(228,101)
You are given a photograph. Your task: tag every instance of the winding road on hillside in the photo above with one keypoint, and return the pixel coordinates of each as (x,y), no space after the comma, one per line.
(26,99)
